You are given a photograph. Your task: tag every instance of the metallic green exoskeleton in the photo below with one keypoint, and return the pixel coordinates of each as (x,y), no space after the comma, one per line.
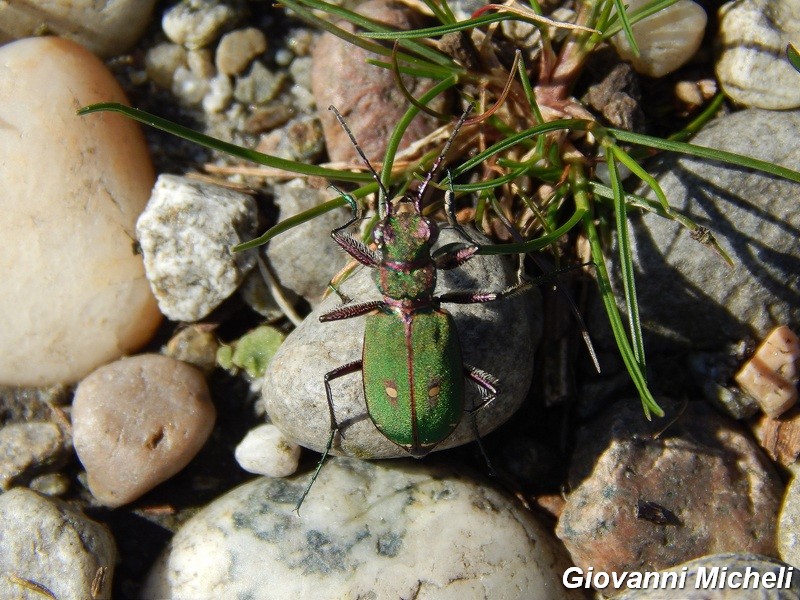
(411,361)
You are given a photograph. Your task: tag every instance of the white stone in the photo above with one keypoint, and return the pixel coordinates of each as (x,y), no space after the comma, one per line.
(74,294)
(186,234)
(220,92)
(265,451)
(105,27)
(49,543)
(666,39)
(366,530)
(196,23)
(162,61)
(752,67)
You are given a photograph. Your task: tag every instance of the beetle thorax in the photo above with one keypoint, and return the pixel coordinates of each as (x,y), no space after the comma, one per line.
(406,272)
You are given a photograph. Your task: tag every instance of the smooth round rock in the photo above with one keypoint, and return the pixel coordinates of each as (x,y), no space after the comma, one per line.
(646,498)
(265,451)
(137,422)
(186,234)
(49,543)
(106,28)
(366,95)
(496,337)
(703,580)
(666,40)
(364,531)
(689,298)
(752,66)
(74,294)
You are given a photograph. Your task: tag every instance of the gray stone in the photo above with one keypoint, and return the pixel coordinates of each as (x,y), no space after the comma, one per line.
(50,544)
(137,422)
(497,337)
(365,531)
(646,498)
(28,448)
(688,296)
(305,258)
(186,234)
(699,571)
(752,66)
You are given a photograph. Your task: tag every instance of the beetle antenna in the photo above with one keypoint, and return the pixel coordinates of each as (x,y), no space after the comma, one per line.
(440,158)
(316,473)
(363,156)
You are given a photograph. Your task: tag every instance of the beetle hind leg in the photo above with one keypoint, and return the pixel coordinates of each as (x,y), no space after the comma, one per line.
(346,369)
(488,385)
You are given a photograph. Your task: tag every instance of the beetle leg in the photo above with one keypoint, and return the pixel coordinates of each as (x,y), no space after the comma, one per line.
(480,297)
(450,260)
(488,384)
(348,311)
(351,367)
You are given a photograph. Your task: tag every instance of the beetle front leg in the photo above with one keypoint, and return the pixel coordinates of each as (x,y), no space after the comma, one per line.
(351,367)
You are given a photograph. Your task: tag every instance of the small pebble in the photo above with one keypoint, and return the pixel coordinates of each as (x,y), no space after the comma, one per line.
(162,61)
(771,375)
(752,39)
(265,451)
(366,530)
(137,422)
(27,448)
(68,217)
(666,40)
(188,86)
(197,23)
(106,29)
(195,344)
(50,484)
(186,234)
(237,48)
(52,545)
(702,484)
(260,85)
(220,92)
(780,438)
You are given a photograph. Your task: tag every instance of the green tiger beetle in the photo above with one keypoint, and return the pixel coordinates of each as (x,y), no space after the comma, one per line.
(411,364)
